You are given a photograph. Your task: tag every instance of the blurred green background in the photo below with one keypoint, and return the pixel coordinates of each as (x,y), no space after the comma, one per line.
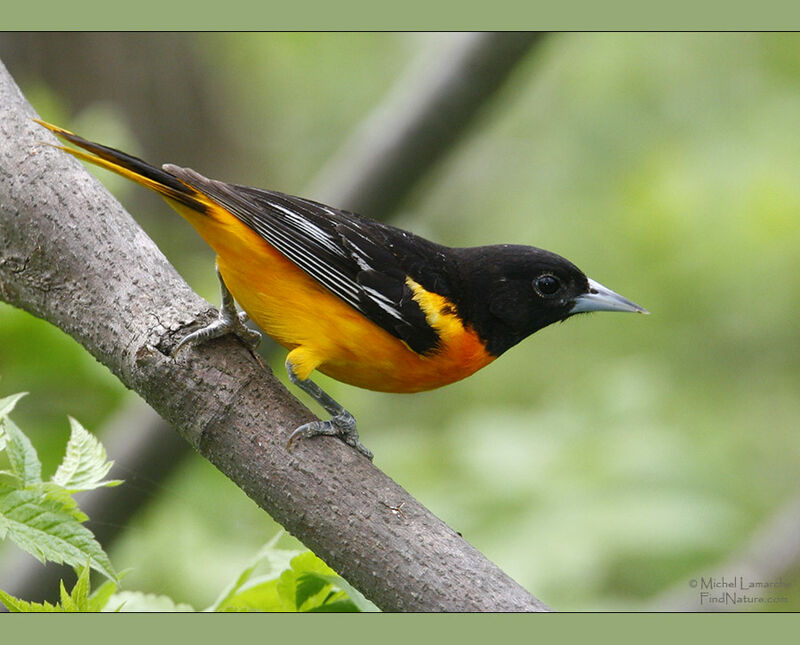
(601,462)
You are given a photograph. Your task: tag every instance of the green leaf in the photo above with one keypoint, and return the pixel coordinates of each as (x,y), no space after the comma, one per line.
(348,592)
(17,605)
(287,589)
(61,497)
(130,601)
(84,464)
(22,455)
(304,596)
(341,606)
(9,480)
(354,594)
(311,585)
(67,604)
(269,562)
(44,529)
(263,596)
(7,404)
(296,582)
(307,585)
(99,598)
(78,600)
(80,592)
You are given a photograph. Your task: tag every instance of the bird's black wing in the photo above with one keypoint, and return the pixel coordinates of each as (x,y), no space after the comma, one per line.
(363,262)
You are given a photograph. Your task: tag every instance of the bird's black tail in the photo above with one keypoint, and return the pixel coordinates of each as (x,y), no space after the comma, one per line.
(132,168)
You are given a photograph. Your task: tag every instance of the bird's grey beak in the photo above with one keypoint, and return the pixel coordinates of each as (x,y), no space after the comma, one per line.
(601,298)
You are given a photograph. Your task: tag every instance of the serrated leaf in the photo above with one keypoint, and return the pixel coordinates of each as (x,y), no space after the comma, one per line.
(17,605)
(78,600)
(22,455)
(67,604)
(62,498)
(130,601)
(84,464)
(6,406)
(80,592)
(41,527)
(7,403)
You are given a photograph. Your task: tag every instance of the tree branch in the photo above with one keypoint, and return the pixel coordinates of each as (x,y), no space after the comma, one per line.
(71,255)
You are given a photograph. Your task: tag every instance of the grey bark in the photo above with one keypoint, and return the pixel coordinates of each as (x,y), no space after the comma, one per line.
(70,254)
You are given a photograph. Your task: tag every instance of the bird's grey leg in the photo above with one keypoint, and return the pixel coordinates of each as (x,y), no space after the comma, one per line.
(342,424)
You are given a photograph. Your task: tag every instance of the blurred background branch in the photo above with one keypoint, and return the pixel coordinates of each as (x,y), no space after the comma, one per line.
(424,115)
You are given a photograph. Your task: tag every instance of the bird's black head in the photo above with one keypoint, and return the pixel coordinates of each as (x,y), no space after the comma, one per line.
(517,290)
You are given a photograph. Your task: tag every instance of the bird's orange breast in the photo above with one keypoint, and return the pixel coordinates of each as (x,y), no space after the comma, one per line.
(325,332)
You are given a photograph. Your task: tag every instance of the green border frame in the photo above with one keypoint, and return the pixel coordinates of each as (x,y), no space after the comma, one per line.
(451,15)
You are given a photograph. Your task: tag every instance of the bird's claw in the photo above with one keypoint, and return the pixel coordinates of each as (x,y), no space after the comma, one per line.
(342,425)
(225,324)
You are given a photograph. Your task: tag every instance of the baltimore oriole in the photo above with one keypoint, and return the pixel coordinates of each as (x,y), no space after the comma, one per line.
(363,302)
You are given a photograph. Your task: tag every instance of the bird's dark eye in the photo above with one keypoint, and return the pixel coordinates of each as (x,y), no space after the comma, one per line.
(547,284)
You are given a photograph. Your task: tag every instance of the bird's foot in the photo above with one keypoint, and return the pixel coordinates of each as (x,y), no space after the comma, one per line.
(229,321)
(341,425)
(223,325)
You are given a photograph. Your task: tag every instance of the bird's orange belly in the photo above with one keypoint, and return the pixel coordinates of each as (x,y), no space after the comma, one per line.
(296,311)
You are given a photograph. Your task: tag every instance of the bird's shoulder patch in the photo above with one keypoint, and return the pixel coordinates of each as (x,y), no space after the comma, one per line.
(440,313)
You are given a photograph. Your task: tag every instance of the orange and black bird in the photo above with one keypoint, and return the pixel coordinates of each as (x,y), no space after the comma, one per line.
(363,302)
